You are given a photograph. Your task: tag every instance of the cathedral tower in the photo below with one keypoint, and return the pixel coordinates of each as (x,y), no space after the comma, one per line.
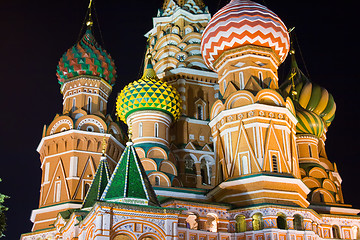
(174,43)
(253,126)
(71,147)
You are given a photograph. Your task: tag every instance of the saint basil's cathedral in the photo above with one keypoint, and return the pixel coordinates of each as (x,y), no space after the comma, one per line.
(218,147)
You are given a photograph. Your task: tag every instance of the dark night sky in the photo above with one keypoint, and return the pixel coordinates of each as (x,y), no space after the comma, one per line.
(34,35)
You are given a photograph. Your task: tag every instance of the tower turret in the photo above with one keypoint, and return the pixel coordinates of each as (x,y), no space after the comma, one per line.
(71,147)
(149,106)
(245,43)
(252,125)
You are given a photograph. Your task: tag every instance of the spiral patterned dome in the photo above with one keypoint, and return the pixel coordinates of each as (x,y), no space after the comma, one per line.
(148,93)
(86,58)
(318,100)
(243,22)
(309,122)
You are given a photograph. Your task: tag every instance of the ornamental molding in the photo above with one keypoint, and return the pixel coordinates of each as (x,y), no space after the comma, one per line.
(91,121)
(58,123)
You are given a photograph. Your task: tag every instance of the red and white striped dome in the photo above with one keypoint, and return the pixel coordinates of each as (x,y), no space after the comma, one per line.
(243,22)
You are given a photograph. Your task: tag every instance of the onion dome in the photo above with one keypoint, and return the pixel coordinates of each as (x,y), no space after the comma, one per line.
(86,58)
(148,93)
(310,95)
(243,22)
(309,122)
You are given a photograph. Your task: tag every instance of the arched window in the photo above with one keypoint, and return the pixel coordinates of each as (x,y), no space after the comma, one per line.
(260,76)
(335,231)
(200,112)
(156,129)
(281,221)
(89,105)
(241,80)
(257,222)
(140,129)
(240,223)
(86,188)
(298,222)
(211,223)
(157,181)
(204,172)
(73,104)
(122,237)
(190,165)
(192,221)
(274,162)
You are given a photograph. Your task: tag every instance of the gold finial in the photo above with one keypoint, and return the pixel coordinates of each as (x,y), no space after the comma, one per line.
(104,145)
(89,22)
(293,91)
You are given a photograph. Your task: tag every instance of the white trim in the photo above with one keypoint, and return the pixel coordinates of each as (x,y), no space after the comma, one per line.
(254,106)
(75,131)
(169,193)
(74,151)
(260,178)
(53,208)
(330,209)
(193,151)
(196,121)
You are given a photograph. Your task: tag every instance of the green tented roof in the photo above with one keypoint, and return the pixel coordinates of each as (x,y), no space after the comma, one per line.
(98,185)
(129,182)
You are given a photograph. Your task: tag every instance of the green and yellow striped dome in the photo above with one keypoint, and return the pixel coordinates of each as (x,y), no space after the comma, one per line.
(318,100)
(309,122)
(148,93)
(310,95)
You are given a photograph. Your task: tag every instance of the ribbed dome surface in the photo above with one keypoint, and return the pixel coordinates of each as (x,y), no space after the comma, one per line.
(309,122)
(86,58)
(148,93)
(243,22)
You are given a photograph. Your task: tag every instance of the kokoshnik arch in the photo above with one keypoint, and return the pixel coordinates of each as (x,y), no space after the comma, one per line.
(218,146)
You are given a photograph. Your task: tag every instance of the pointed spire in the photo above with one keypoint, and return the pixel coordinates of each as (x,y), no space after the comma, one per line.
(129,182)
(98,184)
(149,71)
(89,21)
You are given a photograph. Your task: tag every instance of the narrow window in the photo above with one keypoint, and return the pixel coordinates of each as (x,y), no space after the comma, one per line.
(274,162)
(240,223)
(310,153)
(47,169)
(57,191)
(224,85)
(101,106)
(298,222)
(157,181)
(156,130)
(241,80)
(245,164)
(140,129)
(204,172)
(89,105)
(73,166)
(260,76)
(336,232)
(200,112)
(73,104)
(281,222)
(86,188)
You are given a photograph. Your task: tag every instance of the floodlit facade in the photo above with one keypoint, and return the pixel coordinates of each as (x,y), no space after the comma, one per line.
(218,147)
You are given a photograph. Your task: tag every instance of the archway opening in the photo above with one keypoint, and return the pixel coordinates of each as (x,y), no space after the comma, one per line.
(240,223)
(281,221)
(257,222)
